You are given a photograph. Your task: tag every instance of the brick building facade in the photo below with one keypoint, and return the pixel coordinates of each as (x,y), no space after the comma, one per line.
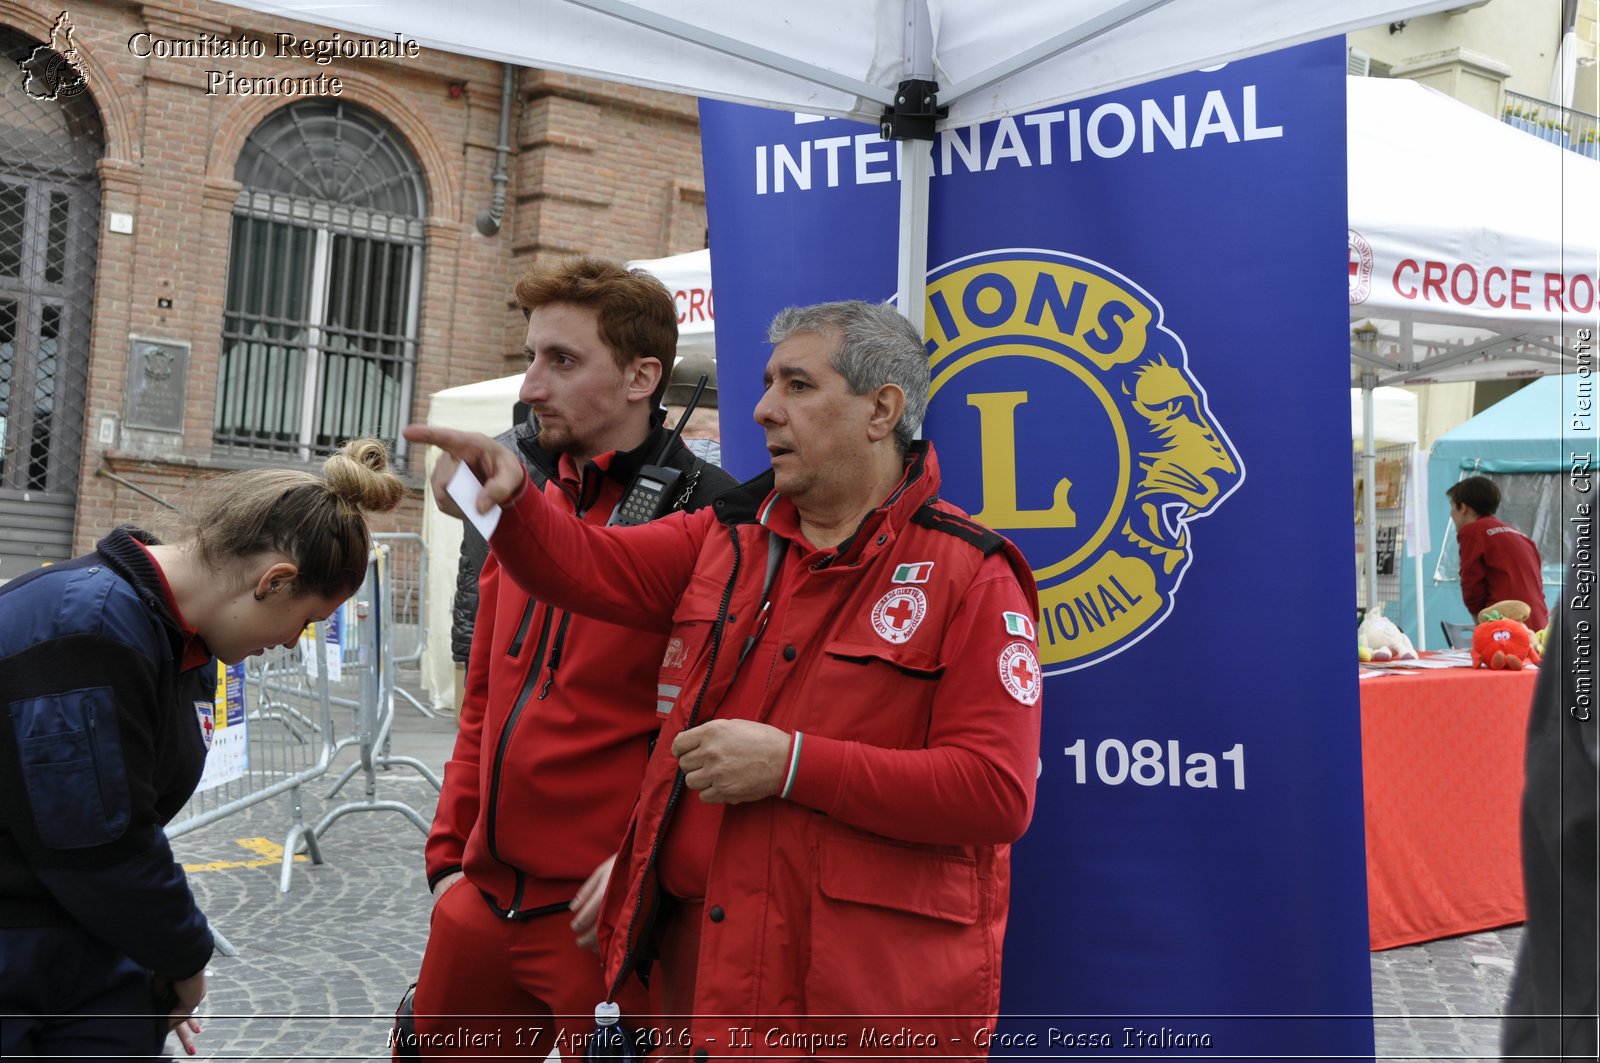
(165,298)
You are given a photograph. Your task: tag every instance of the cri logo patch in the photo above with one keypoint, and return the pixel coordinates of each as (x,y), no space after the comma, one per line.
(1068,419)
(1360,268)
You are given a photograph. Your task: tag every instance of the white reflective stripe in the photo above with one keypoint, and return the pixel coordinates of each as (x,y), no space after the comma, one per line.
(664,707)
(667,690)
(794,764)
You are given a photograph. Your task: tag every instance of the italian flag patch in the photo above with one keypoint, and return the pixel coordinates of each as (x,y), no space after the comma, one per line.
(917,572)
(1017,624)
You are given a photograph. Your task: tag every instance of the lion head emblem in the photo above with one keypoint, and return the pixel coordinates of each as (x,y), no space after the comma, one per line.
(1181,476)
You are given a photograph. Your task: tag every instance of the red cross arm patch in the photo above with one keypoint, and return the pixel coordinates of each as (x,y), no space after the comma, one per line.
(1019,673)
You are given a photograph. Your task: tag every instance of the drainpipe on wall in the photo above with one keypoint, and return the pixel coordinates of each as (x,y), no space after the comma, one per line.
(489,220)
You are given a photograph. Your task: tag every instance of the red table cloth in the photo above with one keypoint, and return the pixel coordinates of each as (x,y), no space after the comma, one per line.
(1441,755)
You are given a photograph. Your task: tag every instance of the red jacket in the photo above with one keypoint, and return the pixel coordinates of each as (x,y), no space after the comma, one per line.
(1499,563)
(880,884)
(555,725)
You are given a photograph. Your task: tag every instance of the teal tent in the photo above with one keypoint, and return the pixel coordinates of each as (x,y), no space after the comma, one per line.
(1529,444)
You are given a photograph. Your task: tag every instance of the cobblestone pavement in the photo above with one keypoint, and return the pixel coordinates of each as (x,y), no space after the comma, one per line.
(1442,999)
(319,969)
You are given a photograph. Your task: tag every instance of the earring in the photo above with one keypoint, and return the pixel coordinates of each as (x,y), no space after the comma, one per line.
(259,596)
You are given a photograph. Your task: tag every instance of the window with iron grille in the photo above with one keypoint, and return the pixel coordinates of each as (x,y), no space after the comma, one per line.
(324,284)
(51,141)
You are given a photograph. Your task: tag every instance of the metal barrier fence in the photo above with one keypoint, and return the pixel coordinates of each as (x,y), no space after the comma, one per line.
(288,728)
(373,710)
(299,710)
(408,577)
(408,581)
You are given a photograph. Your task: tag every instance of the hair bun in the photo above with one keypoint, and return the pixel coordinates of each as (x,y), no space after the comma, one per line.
(359,474)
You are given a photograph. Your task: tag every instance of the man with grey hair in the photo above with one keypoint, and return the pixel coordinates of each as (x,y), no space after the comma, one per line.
(878,346)
(850,695)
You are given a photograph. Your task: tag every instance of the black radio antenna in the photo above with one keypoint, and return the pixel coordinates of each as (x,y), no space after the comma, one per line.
(677,429)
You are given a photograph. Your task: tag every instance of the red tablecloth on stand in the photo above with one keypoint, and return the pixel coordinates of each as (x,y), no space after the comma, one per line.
(1441,755)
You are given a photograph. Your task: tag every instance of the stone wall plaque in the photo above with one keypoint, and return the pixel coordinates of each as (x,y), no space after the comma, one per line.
(158,377)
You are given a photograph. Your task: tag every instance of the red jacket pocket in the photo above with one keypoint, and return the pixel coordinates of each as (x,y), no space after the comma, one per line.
(898,877)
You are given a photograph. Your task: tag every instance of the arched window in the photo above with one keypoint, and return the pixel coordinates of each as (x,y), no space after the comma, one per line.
(319,334)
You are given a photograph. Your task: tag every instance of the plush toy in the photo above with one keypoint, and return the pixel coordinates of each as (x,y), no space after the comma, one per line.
(1383,641)
(1503,640)
(1503,643)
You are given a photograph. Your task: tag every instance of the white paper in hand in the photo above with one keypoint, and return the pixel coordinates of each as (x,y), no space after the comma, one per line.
(465,488)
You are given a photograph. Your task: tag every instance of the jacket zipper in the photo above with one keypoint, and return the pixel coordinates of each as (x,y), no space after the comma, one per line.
(555,655)
(534,669)
(500,756)
(522,630)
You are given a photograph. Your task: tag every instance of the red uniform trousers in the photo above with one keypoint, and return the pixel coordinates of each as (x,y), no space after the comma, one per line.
(493,987)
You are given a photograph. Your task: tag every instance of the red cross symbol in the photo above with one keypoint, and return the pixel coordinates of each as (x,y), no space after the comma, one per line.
(1022,673)
(900,613)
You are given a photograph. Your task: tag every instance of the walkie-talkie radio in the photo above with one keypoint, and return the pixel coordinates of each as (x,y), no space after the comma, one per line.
(651,493)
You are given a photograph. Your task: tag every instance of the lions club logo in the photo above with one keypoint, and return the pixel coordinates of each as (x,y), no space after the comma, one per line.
(1068,418)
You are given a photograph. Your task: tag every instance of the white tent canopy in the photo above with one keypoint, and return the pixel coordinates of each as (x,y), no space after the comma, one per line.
(1474,247)
(846,57)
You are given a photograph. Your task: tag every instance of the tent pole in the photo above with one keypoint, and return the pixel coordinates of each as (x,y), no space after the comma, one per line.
(910,124)
(1417,534)
(1421,641)
(1369,493)
(916,169)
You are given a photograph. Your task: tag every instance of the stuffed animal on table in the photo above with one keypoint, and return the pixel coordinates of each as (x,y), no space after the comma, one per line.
(1382,640)
(1501,640)
(1512,609)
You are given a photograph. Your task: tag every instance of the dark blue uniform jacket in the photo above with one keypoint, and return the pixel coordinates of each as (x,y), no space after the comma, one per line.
(100,746)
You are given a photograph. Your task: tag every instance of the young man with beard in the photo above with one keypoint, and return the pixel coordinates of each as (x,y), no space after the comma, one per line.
(559,713)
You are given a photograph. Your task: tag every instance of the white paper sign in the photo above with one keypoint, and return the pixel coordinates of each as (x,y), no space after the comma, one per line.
(465,488)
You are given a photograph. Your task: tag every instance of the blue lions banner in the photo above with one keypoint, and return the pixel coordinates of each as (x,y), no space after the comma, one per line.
(1137,340)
